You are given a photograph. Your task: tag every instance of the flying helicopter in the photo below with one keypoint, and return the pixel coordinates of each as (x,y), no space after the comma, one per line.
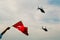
(41,9)
(44,28)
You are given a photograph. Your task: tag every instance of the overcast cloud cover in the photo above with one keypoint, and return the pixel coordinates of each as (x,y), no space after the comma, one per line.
(12,11)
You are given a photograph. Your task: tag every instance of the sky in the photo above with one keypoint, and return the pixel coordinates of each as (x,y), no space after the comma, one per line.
(12,11)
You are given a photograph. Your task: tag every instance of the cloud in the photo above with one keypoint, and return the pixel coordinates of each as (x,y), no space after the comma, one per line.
(13,11)
(52,20)
(54,2)
(52,17)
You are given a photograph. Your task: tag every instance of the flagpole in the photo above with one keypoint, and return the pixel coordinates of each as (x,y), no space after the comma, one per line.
(4,32)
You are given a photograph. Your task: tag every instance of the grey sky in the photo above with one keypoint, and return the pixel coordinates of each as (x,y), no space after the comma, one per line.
(12,11)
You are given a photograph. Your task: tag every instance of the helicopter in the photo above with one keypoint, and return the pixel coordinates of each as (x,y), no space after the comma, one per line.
(41,9)
(44,28)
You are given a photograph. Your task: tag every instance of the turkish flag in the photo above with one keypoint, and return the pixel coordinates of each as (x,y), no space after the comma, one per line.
(19,25)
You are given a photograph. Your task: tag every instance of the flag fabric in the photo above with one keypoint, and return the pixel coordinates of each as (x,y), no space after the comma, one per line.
(19,25)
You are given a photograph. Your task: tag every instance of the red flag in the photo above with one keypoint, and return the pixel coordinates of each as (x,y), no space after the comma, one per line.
(19,25)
